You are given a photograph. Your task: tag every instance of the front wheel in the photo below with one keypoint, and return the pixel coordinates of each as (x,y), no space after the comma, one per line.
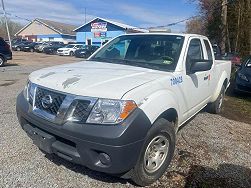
(2,61)
(216,106)
(156,154)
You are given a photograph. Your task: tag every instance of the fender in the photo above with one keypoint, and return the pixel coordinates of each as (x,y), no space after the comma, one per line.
(2,55)
(157,103)
(219,86)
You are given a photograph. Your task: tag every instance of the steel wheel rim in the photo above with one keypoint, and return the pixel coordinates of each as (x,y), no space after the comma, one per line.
(1,61)
(220,101)
(156,153)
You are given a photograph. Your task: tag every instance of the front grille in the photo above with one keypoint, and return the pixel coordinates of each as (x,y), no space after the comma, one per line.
(57,100)
(81,111)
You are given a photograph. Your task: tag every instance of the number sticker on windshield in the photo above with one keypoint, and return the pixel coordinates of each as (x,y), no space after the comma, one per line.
(177,80)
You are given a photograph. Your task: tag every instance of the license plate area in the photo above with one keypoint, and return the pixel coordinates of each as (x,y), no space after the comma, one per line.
(40,138)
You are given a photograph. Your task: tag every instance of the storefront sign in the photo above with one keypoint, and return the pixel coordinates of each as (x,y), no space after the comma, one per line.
(100,35)
(98,27)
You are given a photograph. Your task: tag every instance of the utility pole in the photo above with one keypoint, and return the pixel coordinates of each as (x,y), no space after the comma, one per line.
(85,23)
(6,23)
(224,23)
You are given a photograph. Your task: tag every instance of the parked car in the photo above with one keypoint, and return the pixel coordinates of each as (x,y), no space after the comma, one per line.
(119,111)
(86,51)
(233,57)
(52,49)
(243,77)
(18,41)
(39,46)
(69,49)
(28,47)
(19,46)
(5,52)
(49,43)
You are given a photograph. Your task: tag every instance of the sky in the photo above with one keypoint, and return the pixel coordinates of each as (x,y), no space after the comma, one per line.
(139,13)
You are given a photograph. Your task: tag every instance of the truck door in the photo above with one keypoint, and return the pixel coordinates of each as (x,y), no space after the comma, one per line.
(196,87)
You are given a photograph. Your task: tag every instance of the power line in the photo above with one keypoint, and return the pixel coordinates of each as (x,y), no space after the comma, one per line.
(150,27)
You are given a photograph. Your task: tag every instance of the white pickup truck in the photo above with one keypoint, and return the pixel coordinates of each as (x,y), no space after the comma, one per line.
(119,111)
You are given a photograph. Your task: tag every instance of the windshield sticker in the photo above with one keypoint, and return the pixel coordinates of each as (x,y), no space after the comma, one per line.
(177,80)
(167,62)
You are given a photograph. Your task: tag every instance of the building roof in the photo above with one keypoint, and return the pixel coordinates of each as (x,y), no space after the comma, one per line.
(60,28)
(121,25)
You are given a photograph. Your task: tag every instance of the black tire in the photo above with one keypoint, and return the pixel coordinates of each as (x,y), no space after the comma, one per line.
(2,61)
(216,106)
(140,174)
(71,54)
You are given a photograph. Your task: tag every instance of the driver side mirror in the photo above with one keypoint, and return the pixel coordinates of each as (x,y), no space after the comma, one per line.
(200,65)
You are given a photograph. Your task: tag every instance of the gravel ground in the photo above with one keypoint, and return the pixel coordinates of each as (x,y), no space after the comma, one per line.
(211,151)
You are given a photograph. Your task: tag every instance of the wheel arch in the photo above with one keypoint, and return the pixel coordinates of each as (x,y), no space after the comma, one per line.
(171,115)
(223,81)
(161,104)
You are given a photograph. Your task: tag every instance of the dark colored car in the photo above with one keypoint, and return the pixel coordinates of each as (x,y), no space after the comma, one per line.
(41,47)
(29,47)
(86,51)
(5,52)
(52,49)
(18,41)
(19,46)
(233,57)
(243,77)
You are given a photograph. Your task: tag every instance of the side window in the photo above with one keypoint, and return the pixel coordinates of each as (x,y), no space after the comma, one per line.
(118,50)
(194,52)
(209,51)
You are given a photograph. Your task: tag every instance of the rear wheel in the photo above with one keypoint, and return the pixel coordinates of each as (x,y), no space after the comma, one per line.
(2,61)
(156,153)
(216,106)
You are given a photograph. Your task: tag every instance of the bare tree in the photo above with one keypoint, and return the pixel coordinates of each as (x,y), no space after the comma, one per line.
(13,28)
(195,26)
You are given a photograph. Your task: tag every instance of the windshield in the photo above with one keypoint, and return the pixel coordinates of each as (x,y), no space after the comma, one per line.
(70,46)
(159,52)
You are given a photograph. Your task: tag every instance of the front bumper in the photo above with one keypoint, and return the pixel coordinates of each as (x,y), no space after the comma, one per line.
(242,86)
(111,149)
(9,56)
(64,53)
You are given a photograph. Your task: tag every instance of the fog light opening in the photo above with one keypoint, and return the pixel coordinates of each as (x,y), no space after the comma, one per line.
(105,159)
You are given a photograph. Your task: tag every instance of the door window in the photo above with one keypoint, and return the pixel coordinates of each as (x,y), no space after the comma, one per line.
(194,52)
(209,51)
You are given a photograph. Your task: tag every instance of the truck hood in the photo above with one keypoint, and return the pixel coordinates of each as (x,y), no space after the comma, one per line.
(95,79)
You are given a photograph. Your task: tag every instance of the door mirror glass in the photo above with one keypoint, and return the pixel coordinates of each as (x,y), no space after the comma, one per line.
(200,65)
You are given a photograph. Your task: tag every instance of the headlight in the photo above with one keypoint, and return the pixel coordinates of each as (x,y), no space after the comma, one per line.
(109,111)
(242,76)
(29,90)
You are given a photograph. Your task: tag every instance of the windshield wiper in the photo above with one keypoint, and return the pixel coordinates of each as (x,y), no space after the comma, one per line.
(132,63)
(146,65)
